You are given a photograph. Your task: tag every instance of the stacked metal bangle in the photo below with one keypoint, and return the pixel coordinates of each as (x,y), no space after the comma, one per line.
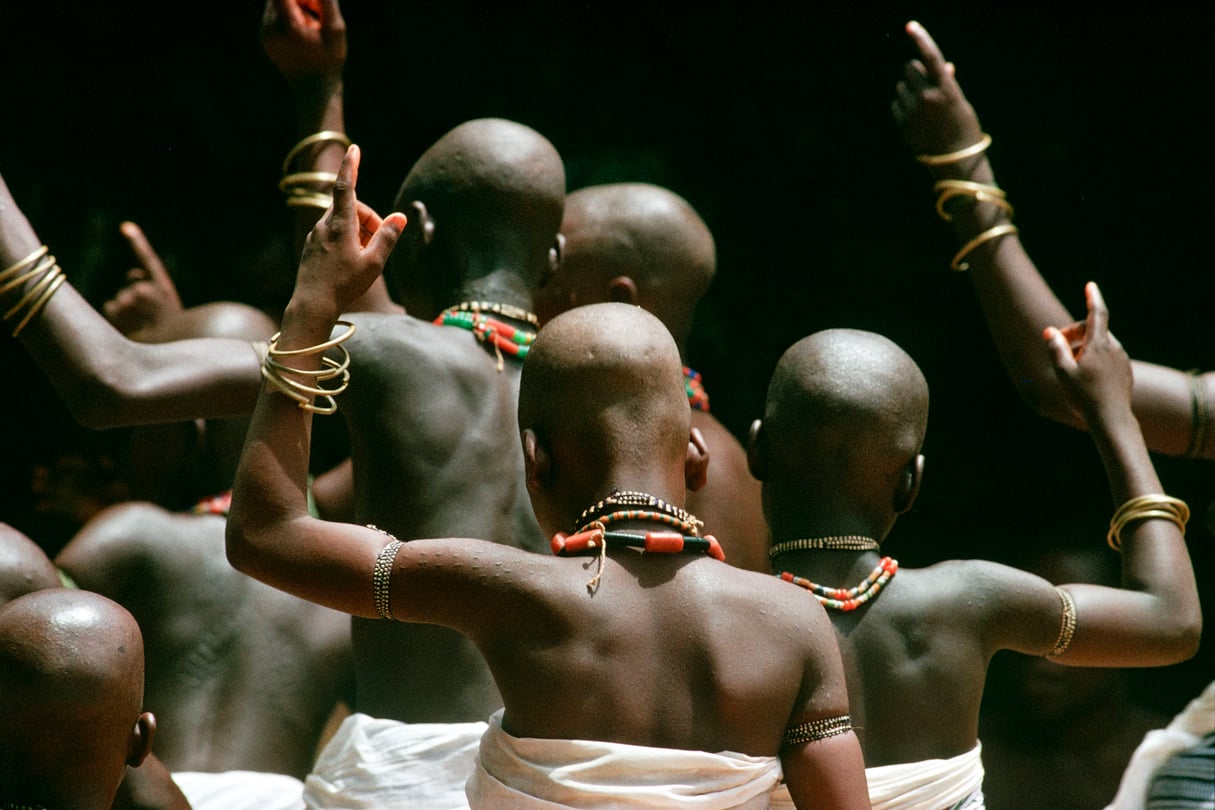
(305,395)
(1145,507)
(41,265)
(310,189)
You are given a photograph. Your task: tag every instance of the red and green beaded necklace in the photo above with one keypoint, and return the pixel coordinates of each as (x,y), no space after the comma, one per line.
(697,397)
(219,504)
(493,332)
(847,599)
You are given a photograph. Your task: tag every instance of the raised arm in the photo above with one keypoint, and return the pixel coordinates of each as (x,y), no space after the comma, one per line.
(306,41)
(1154,619)
(270,534)
(943,131)
(105,379)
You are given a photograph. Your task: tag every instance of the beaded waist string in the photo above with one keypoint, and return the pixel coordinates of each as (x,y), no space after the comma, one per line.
(491,331)
(593,533)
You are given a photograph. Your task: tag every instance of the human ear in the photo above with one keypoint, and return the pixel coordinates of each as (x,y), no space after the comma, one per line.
(909,484)
(536,462)
(623,290)
(140,743)
(757,450)
(696,466)
(556,253)
(420,227)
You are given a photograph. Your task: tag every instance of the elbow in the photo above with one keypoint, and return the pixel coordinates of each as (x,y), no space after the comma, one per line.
(1189,636)
(240,550)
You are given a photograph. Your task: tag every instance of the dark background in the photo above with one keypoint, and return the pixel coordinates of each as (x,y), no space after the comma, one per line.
(772,119)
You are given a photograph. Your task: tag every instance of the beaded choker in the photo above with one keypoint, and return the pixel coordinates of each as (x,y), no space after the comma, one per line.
(846,599)
(842,542)
(594,535)
(500,335)
(606,511)
(697,398)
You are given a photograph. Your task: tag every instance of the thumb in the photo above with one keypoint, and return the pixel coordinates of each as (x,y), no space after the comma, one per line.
(385,238)
(1060,351)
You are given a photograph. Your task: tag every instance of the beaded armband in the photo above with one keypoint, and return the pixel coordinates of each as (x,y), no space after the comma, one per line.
(381,574)
(1067,624)
(817,730)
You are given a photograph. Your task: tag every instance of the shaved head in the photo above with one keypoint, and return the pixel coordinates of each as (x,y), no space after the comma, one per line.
(24,566)
(639,231)
(602,389)
(71,693)
(494,191)
(846,412)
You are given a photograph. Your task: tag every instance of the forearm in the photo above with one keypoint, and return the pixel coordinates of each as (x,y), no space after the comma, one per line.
(1155,618)
(1016,301)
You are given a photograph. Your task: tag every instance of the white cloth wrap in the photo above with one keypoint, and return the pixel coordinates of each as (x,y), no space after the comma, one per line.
(931,784)
(515,773)
(372,763)
(1184,731)
(240,790)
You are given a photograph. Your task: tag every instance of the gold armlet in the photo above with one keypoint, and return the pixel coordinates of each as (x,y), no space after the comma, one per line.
(953,157)
(994,232)
(948,190)
(1067,624)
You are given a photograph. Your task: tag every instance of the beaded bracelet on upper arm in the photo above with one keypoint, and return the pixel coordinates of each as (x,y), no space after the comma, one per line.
(817,730)
(1198,415)
(1067,624)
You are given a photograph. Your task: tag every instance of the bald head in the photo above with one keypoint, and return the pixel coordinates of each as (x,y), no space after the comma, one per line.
(71,691)
(602,391)
(486,196)
(638,232)
(846,413)
(24,566)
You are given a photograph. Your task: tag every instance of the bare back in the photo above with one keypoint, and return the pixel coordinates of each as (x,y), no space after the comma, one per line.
(435,443)
(239,674)
(671,650)
(916,656)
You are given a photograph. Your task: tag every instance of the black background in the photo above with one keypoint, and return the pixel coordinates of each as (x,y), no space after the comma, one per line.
(772,119)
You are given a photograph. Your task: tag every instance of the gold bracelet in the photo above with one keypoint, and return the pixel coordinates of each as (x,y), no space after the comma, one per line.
(41,302)
(290,182)
(980,192)
(13,269)
(324,136)
(36,296)
(41,266)
(1145,507)
(987,235)
(1198,419)
(1067,624)
(381,574)
(319,348)
(273,372)
(321,201)
(954,157)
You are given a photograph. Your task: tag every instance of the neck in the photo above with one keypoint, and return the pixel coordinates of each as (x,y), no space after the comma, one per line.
(497,286)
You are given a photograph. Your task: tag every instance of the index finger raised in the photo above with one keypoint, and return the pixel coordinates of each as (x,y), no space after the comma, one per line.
(931,55)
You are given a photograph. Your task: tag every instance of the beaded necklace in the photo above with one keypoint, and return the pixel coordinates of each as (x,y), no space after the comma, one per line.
(847,599)
(593,533)
(697,397)
(491,331)
(686,520)
(840,542)
(219,504)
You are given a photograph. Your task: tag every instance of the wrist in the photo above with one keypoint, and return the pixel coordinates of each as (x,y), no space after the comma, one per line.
(309,314)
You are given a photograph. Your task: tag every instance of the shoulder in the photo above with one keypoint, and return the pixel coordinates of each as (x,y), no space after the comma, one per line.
(132,533)
(405,345)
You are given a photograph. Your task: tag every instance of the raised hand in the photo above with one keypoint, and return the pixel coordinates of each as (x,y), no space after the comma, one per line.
(1093,368)
(347,249)
(149,296)
(304,38)
(929,107)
